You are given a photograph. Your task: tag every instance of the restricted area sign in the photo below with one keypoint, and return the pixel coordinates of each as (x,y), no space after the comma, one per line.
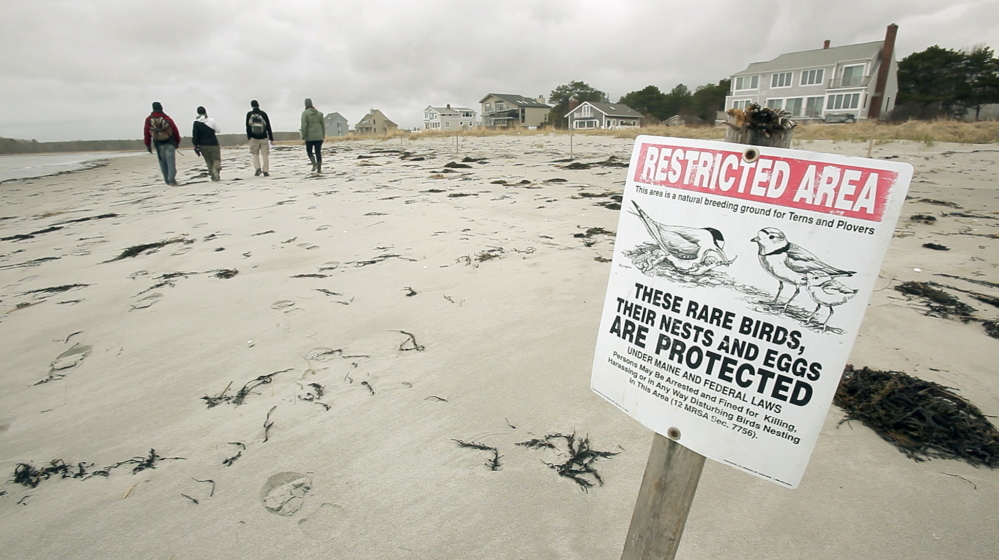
(739,281)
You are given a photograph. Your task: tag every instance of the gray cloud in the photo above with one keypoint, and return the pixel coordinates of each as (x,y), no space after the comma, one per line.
(83,69)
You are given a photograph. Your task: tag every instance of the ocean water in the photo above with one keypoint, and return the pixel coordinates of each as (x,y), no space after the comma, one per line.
(18,166)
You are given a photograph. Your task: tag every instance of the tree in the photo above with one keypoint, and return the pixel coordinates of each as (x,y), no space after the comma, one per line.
(678,102)
(981,84)
(647,101)
(929,82)
(573,91)
(708,99)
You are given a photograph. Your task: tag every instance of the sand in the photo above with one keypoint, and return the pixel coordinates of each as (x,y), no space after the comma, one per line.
(430,307)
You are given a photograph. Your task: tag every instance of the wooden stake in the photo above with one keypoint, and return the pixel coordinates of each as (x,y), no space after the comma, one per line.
(668,488)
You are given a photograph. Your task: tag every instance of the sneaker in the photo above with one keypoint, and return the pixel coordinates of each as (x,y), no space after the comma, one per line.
(173,184)
(266,174)
(257,174)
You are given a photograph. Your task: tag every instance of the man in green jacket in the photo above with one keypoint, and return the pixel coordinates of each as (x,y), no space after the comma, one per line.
(313,132)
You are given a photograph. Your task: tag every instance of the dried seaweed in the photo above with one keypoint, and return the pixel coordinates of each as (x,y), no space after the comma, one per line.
(578,467)
(991,327)
(23,236)
(922,218)
(226,273)
(410,343)
(137,250)
(268,423)
(56,289)
(241,395)
(410,292)
(370,388)
(936,246)
(493,463)
(940,303)
(923,419)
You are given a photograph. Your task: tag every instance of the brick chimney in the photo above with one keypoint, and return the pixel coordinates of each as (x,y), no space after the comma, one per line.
(825,45)
(887,53)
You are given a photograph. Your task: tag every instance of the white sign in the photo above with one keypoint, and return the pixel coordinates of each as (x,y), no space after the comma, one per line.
(739,281)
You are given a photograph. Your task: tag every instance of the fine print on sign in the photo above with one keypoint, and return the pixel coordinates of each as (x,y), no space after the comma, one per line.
(739,281)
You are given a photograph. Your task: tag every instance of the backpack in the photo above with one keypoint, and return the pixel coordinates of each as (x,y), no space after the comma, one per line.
(160,129)
(257,124)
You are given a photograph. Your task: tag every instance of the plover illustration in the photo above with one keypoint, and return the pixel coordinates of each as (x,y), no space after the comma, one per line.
(789,263)
(825,290)
(689,249)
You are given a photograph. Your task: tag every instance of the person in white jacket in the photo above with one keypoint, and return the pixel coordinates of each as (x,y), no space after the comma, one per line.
(206,144)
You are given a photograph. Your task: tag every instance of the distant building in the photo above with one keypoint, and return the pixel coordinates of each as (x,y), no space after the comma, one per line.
(853,82)
(336,124)
(590,114)
(502,110)
(375,122)
(448,118)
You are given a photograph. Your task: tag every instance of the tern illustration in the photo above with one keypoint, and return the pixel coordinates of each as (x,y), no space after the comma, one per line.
(689,249)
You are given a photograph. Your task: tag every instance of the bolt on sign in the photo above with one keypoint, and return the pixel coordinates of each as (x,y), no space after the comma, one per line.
(739,281)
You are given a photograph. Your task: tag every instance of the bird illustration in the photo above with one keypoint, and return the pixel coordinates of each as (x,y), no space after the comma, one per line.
(825,290)
(789,263)
(688,249)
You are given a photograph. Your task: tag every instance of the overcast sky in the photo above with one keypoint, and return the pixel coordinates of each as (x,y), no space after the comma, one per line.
(89,69)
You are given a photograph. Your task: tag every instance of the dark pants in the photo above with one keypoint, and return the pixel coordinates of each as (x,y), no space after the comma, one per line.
(213,159)
(315,150)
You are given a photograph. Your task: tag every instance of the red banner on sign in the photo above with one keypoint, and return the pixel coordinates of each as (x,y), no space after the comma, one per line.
(841,190)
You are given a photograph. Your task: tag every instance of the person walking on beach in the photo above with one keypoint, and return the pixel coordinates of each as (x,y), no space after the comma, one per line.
(258,132)
(313,132)
(206,144)
(161,132)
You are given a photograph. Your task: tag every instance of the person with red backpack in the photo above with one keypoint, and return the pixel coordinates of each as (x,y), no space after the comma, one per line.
(161,132)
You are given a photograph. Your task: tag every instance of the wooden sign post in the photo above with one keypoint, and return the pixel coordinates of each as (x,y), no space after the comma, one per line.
(673,471)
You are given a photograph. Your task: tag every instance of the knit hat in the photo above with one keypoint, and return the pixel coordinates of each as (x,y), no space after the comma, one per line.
(254,104)
(202,111)
(308,102)
(157,106)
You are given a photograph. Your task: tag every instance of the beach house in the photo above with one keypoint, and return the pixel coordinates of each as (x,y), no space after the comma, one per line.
(591,115)
(835,84)
(375,122)
(336,124)
(503,110)
(448,118)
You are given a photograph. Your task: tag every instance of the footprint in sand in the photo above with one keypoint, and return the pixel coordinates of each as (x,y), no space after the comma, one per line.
(324,523)
(147,301)
(67,360)
(282,304)
(284,493)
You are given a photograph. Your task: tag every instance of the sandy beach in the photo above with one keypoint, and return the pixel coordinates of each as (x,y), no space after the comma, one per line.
(305,353)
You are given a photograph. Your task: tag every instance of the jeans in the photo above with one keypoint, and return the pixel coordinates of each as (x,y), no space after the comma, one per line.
(213,159)
(165,152)
(260,147)
(317,147)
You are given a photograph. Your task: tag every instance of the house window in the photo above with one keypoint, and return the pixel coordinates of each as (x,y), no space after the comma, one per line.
(775,103)
(811,77)
(489,107)
(741,103)
(793,106)
(447,124)
(843,101)
(853,75)
(747,82)
(813,107)
(782,79)
(500,106)
(585,111)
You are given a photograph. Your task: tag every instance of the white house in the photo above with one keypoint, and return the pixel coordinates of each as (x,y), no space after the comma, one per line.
(852,82)
(336,124)
(589,114)
(448,118)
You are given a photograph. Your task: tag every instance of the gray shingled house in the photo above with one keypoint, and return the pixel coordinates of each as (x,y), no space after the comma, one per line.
(603,115)
(848,83)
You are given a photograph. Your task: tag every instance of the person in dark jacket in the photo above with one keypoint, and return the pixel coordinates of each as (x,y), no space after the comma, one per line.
(161,132)
(313,132)
(206,144)
(260,135)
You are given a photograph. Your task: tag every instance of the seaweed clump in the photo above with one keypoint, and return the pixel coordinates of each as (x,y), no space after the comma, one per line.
(578,467)
(923,419)
(941,304)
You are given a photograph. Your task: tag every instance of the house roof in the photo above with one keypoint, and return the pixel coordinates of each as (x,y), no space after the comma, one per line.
(610,109)
(518,100)
(815,58)
(366,119)
(450,109)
